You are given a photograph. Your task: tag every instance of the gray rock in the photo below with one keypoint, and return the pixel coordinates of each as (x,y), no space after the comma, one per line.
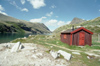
(77,53)
(8,46)
(54,54)
(49,60)
(16,47)
(51,46)
(34,56)
(30,35)
(90,57)
(66,55)
(39,54)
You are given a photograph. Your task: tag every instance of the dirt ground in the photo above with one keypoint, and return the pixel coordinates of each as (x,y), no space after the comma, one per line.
(30,55)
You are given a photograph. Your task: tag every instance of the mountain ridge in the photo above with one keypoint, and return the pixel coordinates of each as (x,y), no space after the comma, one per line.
(77,20)
(11,24)
(92,25)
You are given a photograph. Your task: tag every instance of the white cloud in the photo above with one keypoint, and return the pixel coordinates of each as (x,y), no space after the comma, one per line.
(37,3)
(14,4)
(43,17)
(99,9)
(68,22)
(60,23)
(23,1)
(53,6)
(3,13)
(21,9)
(54,22)
(49,14)
(24,9)
(2,9)
(37,20)
(51,22)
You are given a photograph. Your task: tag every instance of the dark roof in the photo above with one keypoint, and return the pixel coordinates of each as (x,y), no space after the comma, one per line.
(68,31)
(75,30)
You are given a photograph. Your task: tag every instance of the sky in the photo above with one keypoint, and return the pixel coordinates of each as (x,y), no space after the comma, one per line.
(53,13)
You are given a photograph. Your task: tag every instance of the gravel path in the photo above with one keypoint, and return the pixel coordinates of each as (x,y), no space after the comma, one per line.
(86,52)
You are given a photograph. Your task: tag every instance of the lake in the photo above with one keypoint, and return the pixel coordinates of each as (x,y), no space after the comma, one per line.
(7,37)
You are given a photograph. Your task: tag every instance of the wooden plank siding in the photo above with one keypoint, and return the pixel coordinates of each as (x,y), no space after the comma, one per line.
(75,39)
(67,40)
(87,39)
(78,37)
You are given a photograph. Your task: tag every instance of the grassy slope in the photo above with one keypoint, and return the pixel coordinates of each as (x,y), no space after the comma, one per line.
(91,25)
(7,21)
(37,27)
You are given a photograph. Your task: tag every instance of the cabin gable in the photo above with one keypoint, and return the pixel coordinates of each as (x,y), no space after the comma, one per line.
(79,37)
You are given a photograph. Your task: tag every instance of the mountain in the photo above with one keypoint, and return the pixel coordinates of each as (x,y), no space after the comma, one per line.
(92,25)
(77,21)
(9,24)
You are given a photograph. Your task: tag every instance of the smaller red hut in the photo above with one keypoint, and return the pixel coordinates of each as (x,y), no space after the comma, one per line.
(79,37)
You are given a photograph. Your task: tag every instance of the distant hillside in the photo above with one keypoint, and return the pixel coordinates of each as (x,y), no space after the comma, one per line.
(10,24)
(93,25)
(77,21)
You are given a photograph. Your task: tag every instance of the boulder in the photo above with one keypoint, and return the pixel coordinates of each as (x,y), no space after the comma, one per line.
(34,56)
(30,35)
(16,47)
(90,57)
(51,46)
(66,55)
(24,38)
(39,54)
(77,53)
(49,60)
(8,46)
(54,54)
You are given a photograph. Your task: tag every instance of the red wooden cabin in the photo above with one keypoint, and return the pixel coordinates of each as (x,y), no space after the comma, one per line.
(79,37)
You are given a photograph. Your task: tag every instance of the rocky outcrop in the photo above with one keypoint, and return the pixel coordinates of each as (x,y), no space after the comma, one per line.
(77,21)
(54,54)
(16,47)
(57,54)
(66,55)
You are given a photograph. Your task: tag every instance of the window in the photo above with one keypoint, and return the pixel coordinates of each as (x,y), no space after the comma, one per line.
(65,36)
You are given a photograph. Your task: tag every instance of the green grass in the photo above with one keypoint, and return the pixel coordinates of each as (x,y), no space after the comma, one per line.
(10,26)
(84,61)
(42,39)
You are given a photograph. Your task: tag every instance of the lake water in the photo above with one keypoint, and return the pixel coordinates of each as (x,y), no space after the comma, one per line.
(7,37)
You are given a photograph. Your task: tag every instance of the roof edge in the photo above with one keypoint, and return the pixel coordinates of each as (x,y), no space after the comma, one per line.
(83,29)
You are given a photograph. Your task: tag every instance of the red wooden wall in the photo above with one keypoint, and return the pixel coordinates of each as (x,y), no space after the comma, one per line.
(76,38)
(67,39)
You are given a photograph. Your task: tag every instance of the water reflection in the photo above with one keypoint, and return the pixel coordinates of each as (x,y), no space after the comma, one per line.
(7,37)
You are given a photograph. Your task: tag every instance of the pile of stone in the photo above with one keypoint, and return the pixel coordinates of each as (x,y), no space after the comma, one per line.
(57,54)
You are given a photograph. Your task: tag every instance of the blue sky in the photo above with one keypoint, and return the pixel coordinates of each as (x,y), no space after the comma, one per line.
(53,13)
